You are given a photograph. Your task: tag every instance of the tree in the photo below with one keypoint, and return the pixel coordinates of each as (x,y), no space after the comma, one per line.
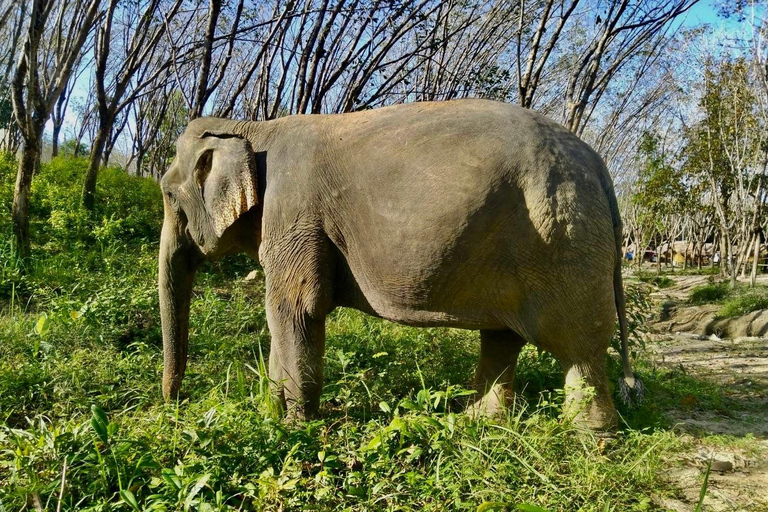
(625,30)
(660,192)
(123,75)
(725,151)
(55,36)
(540,46)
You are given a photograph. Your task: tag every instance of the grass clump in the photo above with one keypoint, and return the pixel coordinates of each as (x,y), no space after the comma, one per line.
(657,280)
(709,293)
(735,302)
(743,304)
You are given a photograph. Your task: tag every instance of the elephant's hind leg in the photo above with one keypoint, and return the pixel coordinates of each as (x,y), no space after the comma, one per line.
(499,351)
(587,396)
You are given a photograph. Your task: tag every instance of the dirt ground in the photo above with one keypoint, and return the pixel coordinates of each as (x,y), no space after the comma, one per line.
(735,436)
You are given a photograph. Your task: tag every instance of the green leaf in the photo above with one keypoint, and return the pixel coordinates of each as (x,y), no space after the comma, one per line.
(384,406)
(490,506)
(130,499)
(100,423)
(196,489)
(172,479)
(525,507)
(43,325)
(703,491)
(374,443)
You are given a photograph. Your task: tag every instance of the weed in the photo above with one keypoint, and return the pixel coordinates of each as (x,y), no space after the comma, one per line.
(708,293)
(744,304)
(659,281)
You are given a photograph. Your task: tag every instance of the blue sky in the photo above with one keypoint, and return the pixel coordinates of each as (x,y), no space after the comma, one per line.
(703,12)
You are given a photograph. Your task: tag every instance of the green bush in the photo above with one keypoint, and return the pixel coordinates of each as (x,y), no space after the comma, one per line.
(708,293)
(127,209)
(638,306)
(658,281)
(7,180)
(744,304)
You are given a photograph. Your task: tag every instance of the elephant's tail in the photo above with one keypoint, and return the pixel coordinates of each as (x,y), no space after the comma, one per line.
(631,388)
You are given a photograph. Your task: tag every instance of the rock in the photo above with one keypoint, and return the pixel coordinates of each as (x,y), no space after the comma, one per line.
(722,465)
(251,276)
(705,321)
(721,462)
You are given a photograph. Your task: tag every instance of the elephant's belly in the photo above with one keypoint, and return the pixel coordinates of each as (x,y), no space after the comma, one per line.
(426,318)
(418,303)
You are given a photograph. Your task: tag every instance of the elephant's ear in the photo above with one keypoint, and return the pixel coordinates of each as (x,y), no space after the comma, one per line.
(226,177)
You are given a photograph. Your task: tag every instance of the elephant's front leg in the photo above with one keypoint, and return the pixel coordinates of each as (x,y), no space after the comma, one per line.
(297,302)
(499,351)
(296,357)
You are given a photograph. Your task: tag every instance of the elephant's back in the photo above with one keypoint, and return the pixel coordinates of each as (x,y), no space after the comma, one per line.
(458,162)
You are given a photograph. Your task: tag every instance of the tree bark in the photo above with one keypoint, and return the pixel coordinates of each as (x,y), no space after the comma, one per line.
(30,160)
(755,262)
(55,139)
(91,175)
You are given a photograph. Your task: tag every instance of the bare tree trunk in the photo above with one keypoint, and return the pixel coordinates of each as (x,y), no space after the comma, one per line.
(30,160)
(55,139)
(744,257)
(202,92)
(91,175)
(755,261)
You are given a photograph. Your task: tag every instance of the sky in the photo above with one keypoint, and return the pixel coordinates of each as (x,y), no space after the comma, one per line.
(703,12)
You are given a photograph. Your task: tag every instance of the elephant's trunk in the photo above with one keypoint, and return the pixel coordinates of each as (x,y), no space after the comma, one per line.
(177,267)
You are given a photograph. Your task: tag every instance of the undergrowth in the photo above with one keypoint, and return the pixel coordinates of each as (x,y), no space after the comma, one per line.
(745,303)
(80,401)
(737,301)
(658,280)
(708,293)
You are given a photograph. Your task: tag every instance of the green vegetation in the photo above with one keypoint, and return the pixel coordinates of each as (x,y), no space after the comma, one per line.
(708,293)
(657,280)
(735,302)
(695,271)
(745,302)
(80,401)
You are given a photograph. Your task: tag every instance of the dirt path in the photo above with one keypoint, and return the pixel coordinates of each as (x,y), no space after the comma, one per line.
(733,434)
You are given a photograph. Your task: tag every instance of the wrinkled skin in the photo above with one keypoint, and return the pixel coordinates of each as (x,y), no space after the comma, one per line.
(471,214)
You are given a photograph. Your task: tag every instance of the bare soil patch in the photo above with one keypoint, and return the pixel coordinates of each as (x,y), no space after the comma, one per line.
(731,354)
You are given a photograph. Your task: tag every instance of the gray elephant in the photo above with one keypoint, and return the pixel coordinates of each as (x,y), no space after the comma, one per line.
(471,214)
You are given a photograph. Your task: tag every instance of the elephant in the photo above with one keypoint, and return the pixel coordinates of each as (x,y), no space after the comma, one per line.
(472,214)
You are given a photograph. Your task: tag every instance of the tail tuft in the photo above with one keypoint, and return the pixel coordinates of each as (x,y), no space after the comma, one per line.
(631,391)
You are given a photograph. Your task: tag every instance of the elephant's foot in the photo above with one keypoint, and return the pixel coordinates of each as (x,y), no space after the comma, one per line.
(496,373)
(588,402)
(590,414)
(493,404)
(299,410)
(294,414)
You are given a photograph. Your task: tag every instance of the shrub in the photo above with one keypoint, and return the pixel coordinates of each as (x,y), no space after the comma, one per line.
(127,208)
(657,280)
(638,306)
(743,305)
(713,292)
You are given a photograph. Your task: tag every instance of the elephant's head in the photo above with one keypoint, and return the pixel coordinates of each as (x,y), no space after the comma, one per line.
(210,196)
